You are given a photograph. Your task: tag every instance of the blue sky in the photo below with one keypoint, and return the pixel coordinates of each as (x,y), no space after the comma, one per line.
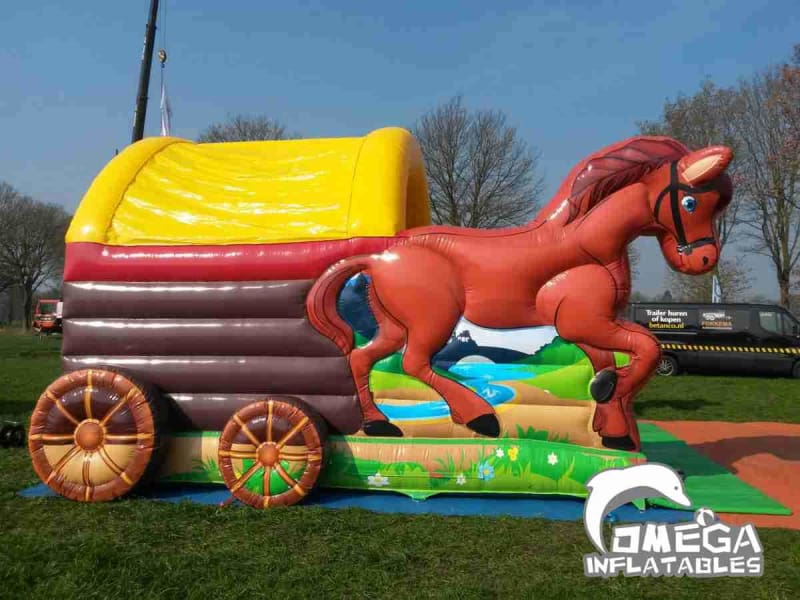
(573,76)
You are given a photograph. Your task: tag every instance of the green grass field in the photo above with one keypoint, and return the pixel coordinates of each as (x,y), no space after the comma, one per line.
(137,549)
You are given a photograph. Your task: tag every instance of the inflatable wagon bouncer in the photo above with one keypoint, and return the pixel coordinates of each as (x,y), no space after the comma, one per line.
(279,315)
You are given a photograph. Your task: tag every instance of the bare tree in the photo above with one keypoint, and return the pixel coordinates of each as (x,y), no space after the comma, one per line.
(703,119)
(634,257)
(242,128)
(480,172)
(5,278)
(734,282)
(770,175)
(788,99)
(31,244)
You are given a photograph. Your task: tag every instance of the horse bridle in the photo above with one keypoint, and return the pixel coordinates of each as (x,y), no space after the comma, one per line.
(675,186)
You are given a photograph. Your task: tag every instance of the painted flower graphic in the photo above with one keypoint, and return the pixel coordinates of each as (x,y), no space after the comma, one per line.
(552,459)
(485,471)
(378,480)
(461,479)
(513,453)
(499,453)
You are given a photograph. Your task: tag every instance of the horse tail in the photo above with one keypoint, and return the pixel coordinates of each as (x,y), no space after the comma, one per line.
(321,301)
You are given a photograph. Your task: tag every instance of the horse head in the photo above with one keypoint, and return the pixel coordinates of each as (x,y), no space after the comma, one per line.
(687,197)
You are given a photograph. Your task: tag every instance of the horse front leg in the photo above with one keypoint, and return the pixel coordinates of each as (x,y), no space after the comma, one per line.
(604,382)
(614,419)
(582,305)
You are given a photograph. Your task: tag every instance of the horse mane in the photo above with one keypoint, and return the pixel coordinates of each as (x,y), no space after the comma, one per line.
(607,171)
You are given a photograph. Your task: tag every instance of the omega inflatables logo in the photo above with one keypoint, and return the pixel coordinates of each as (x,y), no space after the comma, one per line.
(703,547)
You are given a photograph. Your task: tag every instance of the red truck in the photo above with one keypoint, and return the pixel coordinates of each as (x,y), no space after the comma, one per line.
(47,316)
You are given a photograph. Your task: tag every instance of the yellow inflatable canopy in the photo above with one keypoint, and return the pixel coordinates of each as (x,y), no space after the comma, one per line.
(172,191)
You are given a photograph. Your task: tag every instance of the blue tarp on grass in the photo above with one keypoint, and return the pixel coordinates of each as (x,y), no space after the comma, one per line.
(556,509)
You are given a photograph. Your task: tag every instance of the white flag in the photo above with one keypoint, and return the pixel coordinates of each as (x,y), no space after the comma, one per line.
(166,110)
(716,292)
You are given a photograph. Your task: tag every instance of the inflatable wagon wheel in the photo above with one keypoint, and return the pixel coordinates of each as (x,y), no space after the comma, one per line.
(95,434)
(271,452)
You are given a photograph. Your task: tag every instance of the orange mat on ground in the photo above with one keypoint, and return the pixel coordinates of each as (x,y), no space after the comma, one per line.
(765,455)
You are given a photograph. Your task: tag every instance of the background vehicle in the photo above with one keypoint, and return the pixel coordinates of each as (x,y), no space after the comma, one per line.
(745,338)
(47,316)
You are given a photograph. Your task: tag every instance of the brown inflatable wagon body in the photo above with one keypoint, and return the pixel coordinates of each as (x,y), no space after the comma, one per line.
(186,275)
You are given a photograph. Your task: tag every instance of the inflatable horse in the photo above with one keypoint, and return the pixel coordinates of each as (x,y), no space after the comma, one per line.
(567,268)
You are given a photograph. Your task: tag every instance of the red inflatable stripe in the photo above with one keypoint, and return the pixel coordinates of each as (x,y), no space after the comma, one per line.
(88,261)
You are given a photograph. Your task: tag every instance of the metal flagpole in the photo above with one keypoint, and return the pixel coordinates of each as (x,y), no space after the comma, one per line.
(144,74)
(716,291)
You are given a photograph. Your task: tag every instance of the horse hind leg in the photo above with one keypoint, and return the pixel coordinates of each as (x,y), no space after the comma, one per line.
(389,338)
(466,407)
(422,291)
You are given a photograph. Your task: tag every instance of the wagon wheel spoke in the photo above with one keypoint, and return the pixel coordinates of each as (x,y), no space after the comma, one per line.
(52,437)
(62,409)
(71,453)
(265,484)
(128,437)
(285,476)
(246,430)
(244,478)
(238,454)
(290,434)
(106,457)
(87,396)
(269,420)
(292,455)
(85,471)
(120,403)
(303,455)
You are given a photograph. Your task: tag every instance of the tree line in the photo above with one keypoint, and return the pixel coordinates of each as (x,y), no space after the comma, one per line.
(483,173)
(31,251)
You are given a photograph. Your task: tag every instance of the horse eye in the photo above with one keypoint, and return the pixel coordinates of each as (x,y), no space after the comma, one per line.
(689,203)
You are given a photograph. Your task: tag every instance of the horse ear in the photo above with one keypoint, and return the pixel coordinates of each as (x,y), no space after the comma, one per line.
(705,165)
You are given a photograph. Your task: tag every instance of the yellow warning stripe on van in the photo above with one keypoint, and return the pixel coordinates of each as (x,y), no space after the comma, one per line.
(707,348)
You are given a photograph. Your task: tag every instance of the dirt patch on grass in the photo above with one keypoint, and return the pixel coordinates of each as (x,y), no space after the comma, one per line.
(765,455)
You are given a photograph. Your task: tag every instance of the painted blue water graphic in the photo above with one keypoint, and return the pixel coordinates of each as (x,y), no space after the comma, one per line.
(480,377)
(492,372)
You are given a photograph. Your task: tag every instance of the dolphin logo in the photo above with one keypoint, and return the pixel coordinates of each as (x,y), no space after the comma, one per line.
(612,488)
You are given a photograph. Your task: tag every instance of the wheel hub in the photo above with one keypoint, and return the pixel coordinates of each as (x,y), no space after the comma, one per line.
(89,435)
(267,454)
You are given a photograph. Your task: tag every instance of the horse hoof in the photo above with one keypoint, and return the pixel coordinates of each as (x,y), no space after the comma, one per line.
(603,385)
(382,429)
(487,425)
(619,443)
